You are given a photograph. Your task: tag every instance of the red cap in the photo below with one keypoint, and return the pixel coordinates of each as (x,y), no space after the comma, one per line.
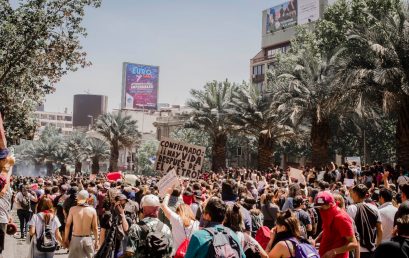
(323,198)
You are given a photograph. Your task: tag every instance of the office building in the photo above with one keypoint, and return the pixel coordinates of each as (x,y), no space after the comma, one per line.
(62,121)
(278,29)
(87,109)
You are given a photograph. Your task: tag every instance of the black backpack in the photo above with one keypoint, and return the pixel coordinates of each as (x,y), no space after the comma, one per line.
(47,242)
(153,242)
(222,244)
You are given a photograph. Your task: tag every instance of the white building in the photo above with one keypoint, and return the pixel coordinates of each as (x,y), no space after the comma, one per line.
(62,121)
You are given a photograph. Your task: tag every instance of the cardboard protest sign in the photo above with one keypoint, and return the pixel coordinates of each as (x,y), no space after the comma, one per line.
(169,180)
(3,141)
(186,159)
(296,175)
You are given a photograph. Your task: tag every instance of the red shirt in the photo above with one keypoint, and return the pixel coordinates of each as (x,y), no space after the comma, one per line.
(341,229)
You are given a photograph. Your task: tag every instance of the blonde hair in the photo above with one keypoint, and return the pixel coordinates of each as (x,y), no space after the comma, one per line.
(185,213)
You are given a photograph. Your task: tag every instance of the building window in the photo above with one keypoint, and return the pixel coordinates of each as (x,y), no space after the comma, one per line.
(272,52)
(68,118)
(51,117)
(258,69)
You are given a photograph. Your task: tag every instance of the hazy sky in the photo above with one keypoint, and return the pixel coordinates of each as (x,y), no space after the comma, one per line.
(193,41)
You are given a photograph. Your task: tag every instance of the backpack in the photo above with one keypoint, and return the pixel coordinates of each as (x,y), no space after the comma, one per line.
(25,203)
(222,244)
(263,236)
(302,249)
(47,242)
(154,243)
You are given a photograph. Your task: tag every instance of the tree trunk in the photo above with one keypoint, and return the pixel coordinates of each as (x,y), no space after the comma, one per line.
(113,160)
(320,135)
(219,152)
(265,159)
(50,168)
(95,165)
(78,167)
(63,169)
(402,133)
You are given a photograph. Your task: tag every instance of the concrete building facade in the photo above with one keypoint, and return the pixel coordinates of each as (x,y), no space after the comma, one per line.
(62,121)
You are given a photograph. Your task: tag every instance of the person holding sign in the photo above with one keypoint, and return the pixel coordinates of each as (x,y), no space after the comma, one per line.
(182,221)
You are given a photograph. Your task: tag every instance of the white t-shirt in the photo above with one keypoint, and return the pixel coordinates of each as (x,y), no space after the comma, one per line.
(402,180)
(179,232)
(19,198)
(38,221)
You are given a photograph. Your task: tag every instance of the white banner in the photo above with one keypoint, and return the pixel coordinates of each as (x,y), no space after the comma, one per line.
(168,181)
(349,160)
(296,175)
(186,159)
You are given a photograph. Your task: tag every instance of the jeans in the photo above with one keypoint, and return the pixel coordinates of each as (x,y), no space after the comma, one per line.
(38,254)
(24,216)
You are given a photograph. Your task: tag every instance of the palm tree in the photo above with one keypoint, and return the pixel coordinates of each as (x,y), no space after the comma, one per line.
(98,150)
(119,131)
(383,71)
(76,145)
(210,114)
(302,93)
(251,113)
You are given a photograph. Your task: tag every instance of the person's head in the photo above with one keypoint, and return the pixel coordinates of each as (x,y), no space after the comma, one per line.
(150,205)
(185,213)
(324,201)
(176,192)
(215,210)
(294,190)
(233,218)
(121,199)
(405,192)
(339,201)
(45,205)
(358,193)
(82,197)
(288,222)
(298,202)
(249,203)
(385,195)
(229,190)
(402,225)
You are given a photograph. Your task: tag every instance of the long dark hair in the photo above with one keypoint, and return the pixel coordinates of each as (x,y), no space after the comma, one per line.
(233,218)
(290,221)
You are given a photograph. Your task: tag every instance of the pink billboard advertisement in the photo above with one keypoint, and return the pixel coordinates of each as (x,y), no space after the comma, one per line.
(140,86)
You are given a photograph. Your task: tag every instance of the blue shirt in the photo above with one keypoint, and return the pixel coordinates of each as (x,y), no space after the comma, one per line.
(200,241)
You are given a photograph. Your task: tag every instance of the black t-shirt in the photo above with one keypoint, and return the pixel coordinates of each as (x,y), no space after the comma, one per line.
(398,247)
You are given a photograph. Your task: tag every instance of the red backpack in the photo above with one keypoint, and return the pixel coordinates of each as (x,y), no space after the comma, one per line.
(263,236)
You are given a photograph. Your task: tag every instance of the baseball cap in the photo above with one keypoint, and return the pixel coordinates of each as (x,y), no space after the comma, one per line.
(150,200)
(82,196)
(323,198)
(121,197)
(107,185)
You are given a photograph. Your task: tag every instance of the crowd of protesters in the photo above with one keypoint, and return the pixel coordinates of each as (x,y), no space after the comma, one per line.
(237,212)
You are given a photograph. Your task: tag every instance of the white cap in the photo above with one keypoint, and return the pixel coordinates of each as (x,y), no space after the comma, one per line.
(150,200)
(107,185)
(82,196)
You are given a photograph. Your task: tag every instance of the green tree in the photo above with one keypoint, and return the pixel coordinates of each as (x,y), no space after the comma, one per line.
(302,92)
(382,72)
(98,150)
(210,115)
(76,145)
(251,113)
(39,44)
(119,131)
(145,153)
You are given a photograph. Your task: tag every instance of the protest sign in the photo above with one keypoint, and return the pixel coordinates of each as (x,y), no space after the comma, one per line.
(296,175)
(349,160)
(186,159)
(130,180)
(113,176)
(169,180)
(349,182)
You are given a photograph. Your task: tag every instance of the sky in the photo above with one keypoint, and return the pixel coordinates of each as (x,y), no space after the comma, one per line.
(193,42)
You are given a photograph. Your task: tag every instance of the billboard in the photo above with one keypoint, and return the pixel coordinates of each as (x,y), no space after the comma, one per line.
(140,86)
(308,11)
(281,16)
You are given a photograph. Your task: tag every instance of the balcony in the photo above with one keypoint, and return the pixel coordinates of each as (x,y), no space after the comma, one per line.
(262,59)
(258,78)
